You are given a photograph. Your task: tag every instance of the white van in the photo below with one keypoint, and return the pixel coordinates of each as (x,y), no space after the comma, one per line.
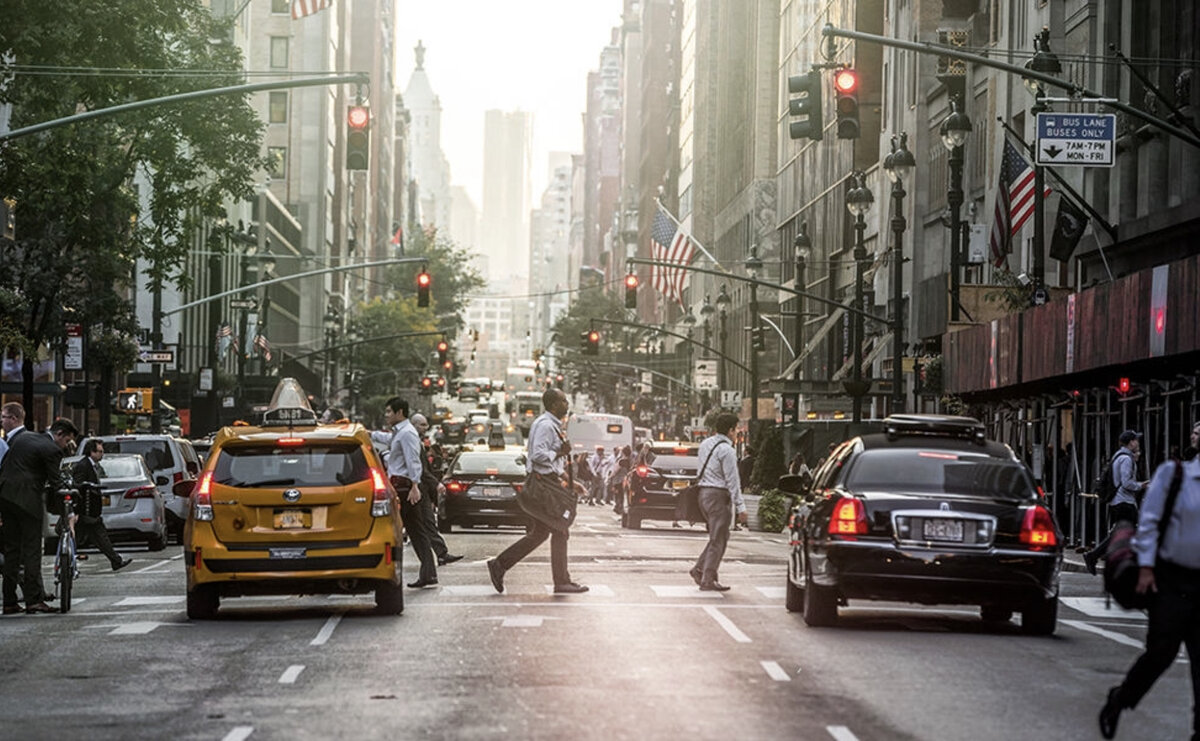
(587,430)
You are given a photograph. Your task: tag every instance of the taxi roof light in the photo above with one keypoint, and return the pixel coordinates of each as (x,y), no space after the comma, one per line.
(289,406)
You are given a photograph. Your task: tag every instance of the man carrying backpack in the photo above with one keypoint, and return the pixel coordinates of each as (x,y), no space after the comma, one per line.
(1124,486)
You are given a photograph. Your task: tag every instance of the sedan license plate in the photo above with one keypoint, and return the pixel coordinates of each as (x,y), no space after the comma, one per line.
(290,519)
(679,484)
(492,492)
(943,529)
(288,553)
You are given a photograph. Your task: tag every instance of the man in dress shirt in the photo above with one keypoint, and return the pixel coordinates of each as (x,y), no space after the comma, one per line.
(1169,568)
(404,471)
(547,453)
(90,526)
(719,487)
(431,489)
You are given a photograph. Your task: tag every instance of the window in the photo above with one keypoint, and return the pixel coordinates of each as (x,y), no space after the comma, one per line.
(279,52)
(278,109)
(281,6)
(315,465)
(277,162)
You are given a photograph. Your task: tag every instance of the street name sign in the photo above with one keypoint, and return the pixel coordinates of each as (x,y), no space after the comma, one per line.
(1085,139)
(242,303)
(147,355)
(73,357)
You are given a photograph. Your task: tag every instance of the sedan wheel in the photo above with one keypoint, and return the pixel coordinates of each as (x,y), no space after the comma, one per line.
(1040,618)
(820,603)
(795,595)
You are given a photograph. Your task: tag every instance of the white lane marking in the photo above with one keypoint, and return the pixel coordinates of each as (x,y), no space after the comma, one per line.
(1109,634)
(134,629)
(239,733)
(289,675)
(772,592)
(841,733)
(155,565)
(176,557)
(1094,607)
(727,624)
(142,601)
(775,671)
(675,591)
(326,630)
(594,590)
(468,590)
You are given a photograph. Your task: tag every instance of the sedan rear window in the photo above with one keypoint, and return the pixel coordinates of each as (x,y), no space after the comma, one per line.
(939,471)
(504,464)
(121,468)
(676,462)
(315,465)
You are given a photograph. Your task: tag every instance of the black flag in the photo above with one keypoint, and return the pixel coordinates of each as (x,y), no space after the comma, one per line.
(1068,228)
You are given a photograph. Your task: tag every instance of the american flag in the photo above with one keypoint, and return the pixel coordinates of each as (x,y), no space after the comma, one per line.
(302,8)
(668,243)
(225,338)
(264,346)
(1015,201)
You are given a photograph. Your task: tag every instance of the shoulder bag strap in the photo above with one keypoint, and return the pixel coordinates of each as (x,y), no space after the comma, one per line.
(1169,506)
(708,458)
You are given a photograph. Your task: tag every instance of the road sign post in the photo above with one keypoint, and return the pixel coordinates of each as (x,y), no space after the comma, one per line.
(1080,139)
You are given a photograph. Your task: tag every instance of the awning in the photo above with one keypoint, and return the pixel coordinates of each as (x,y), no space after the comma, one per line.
(830,321)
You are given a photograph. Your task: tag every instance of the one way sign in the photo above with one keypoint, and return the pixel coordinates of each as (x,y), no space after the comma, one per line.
(1086,139)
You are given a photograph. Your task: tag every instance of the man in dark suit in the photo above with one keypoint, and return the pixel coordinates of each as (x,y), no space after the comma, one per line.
(90,527)
(32,463)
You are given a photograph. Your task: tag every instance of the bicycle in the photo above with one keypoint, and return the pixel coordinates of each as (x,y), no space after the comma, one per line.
(65,564)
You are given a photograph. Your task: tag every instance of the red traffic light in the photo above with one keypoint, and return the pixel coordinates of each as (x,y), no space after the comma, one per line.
(426,382)
(631,280)
(441,382)
(424,280)
(845,81)
(443,346)
(357,117)
(593,337)
(1123,385)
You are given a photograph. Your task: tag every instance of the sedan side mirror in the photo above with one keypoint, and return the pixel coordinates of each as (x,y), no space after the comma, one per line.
(792,484)
(183,488)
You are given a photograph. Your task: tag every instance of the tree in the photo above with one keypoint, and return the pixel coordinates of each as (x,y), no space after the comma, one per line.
(388,366)
(91,198)
(455,278)
(769,463)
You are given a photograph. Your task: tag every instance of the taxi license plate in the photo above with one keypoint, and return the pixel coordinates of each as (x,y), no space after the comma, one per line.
(679,484)
(285,553)
(290,519)
(106,500)
(943,529)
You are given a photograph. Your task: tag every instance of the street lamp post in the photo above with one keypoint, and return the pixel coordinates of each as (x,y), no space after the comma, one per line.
(954,132)
(803,245)
(1046,62)
(354,336)
(898,165)
(723,303)
(753,267)
(707,311)
(332,321)
(858,201)
(244,343)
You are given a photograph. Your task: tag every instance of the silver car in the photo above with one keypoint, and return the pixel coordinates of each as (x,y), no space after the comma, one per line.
(133,510)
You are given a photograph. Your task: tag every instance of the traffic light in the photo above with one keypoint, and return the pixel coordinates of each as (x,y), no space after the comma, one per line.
(443,348)
(135,401)
(1123,386)
(591,342)
(845,88)
(758,342)
(358,137)
(424,281)
(631,286)
(806,105)
(558,381)
(426,386)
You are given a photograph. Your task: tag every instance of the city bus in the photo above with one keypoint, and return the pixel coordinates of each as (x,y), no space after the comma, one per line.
(519,378)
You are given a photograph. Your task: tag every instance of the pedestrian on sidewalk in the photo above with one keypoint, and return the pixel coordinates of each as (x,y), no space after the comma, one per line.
(1124,504)
(1169,569)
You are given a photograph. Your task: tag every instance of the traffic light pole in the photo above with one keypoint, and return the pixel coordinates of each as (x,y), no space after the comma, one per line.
(685,338)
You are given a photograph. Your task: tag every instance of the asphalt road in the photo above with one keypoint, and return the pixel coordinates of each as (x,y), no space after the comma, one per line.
(644,655)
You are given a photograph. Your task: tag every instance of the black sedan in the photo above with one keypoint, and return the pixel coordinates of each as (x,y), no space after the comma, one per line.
(927,511)
(481,488)
(652,488)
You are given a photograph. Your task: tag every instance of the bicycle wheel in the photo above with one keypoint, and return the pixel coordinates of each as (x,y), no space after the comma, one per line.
(66,571)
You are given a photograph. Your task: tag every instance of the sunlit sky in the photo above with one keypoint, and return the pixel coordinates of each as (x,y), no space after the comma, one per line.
(531,55)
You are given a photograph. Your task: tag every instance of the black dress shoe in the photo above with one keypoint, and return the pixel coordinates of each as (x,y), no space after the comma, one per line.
(697,576)
(1110,714)
(12,609)
(569,588)
(1090,561)
(121,564)
(448,558)
(714,586)
(420,583)
(497,573)
(40,607)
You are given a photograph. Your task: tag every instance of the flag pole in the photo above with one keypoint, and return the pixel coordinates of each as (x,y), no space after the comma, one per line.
(679,226)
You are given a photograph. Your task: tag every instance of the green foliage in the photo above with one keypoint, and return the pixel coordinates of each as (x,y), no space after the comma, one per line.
(93,197)
(390,366)
(1009,292)
(769,463)
(772,511)
(454,278)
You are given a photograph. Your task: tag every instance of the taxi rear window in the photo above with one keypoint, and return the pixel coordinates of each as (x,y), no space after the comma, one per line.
(311,465)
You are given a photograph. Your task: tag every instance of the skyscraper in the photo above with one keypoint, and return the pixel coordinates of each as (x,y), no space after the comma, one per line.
(507,195)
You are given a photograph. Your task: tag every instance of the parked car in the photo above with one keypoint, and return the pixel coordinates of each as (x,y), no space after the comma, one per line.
(172,460)
(927,511)
(133,507)
(481,488)
(652,488)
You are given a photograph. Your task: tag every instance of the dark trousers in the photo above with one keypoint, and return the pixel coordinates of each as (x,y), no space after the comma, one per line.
(436,541)
(415,518)
(1174,619)
(22,534)
(91,530)
(715,505)
(1121,512)
(535,535)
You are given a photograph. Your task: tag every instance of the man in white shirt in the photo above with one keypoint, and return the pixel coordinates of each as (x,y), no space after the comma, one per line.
(720,488)
(404,471)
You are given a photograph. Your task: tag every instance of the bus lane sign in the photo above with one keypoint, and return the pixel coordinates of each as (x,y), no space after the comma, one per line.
(1087,139)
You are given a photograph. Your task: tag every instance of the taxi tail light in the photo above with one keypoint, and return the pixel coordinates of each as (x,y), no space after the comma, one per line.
(140,492)
(381,501)
(1037,528)
(849,517)
(679,451)
(387,553)
(289,441)
(202,498)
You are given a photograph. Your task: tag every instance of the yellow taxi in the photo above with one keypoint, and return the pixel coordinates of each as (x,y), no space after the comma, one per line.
(292,507)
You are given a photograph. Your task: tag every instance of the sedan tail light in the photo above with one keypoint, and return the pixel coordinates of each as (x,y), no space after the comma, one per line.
(643,471)
(140,492)
(381,501)
(517,486)
(456,487)
(1037,528)
(849,517)
(202,498)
